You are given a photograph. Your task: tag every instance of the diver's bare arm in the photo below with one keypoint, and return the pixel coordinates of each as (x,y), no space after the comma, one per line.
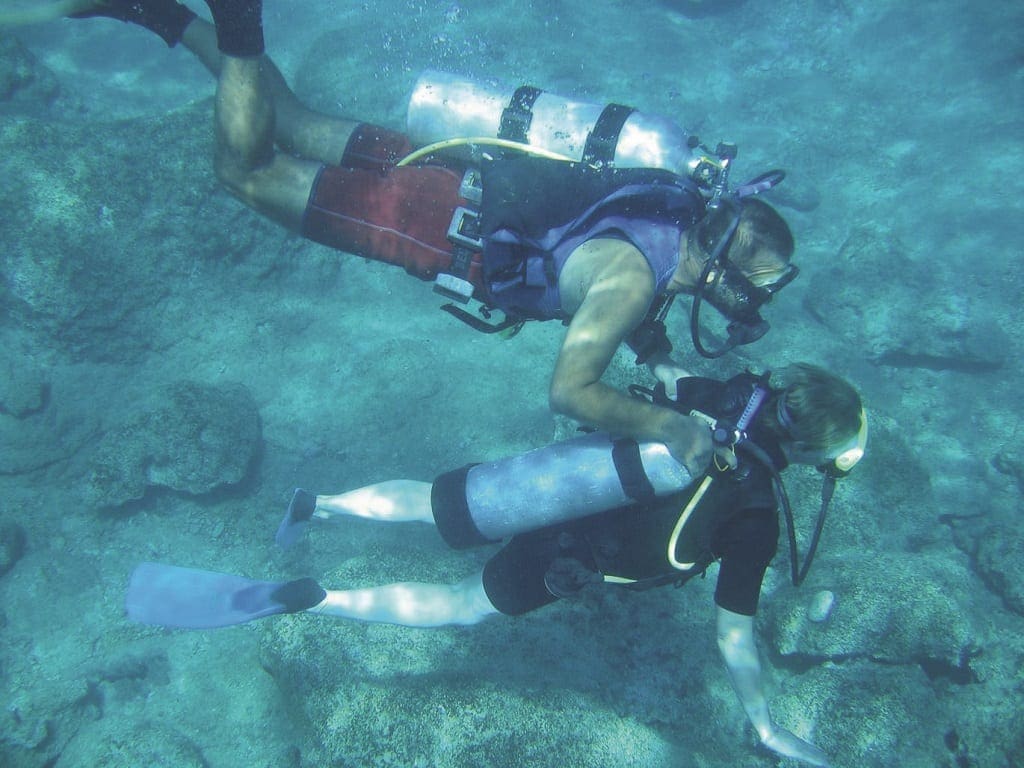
(612,307)
(739,652)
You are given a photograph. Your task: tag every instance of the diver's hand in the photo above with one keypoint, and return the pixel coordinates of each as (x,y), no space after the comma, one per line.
(668,372)
(690,444)
(782,742)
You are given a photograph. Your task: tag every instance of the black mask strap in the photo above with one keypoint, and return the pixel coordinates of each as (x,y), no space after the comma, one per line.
(740,331)
(798,570)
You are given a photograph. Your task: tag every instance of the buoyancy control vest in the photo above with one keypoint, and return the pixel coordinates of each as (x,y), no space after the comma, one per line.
(535,212)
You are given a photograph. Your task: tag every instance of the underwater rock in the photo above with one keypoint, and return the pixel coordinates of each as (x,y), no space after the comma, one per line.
(199,438)
(12,546)
(821,605)
(23,388)
(911,616)
(877,298)
(1011,464)
(118,743)
(444,718)
(800,196)
(21,75)
(994,544)
(42,439)
(999,559)
(101,266)
(867,715)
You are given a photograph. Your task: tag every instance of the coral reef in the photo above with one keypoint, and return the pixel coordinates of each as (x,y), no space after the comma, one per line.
(196,438)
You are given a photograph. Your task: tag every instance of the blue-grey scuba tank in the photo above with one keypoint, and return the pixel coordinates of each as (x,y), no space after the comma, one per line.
(445,106)
(555,484)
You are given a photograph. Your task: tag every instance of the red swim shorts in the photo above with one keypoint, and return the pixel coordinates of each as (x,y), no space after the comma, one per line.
(369,207)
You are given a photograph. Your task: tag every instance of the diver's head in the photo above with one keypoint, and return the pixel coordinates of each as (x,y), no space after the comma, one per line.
(818,418)
(761,246)
(740,254)
(736,258)
(754,251)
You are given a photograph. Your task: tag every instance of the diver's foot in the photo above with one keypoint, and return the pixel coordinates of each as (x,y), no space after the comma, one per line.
(239,26)
(167,18)
(299,595)
(296,519)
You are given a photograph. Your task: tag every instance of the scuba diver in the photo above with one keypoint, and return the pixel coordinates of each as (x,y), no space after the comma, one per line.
(589,511)
(597,224)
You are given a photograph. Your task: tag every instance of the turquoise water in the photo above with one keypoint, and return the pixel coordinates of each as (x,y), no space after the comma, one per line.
(133,286)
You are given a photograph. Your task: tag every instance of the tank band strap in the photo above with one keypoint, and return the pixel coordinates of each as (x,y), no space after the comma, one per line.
(601,143)
(451,510)
(630,468)
(517,116)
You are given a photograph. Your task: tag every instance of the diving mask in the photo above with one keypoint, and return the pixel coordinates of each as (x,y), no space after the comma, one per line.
(727,289)
(847,460)
(851,452)
(734,295)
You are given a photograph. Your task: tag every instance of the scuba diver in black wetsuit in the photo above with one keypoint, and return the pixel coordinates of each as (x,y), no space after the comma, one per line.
(641,212)
(592,510)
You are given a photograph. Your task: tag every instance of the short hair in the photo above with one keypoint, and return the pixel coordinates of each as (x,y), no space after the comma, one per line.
(824,410)
(761,231)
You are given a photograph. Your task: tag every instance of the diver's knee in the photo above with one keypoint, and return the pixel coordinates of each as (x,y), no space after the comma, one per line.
(230,175)
(237,179)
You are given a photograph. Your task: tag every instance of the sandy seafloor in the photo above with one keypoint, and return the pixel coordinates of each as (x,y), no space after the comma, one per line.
(171,367)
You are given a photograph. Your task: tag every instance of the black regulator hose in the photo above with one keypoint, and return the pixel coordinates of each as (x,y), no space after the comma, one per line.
(798,570)
(827,489)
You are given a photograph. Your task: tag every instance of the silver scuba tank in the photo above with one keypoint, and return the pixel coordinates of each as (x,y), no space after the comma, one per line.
(445,106)
(566,481)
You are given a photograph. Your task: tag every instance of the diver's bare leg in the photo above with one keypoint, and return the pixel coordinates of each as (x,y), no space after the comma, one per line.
(298,130)
(275,184)
(412,604)
(391,501)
